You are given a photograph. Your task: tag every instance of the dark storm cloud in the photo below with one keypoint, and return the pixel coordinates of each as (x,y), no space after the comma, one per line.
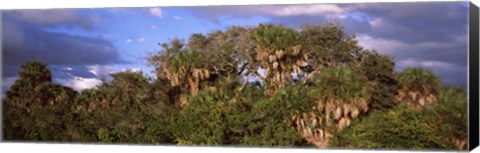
(451,75)
(417,22)
(23,44)
(10,70)
(427,32)
(456,53)
(24,41)
(24,38)
(435,31)
(455,77)
(53,17)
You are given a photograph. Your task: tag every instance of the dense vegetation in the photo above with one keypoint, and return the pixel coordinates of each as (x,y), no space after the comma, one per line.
(314,87)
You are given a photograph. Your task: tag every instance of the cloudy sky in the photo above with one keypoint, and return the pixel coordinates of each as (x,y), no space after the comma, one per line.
(82,45)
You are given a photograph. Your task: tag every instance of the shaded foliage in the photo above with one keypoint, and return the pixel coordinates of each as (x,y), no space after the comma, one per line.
(418,87)
(250,119)
(379,71)
(34,107)
(399,128)
(419,79)
(313,87)
(441,126)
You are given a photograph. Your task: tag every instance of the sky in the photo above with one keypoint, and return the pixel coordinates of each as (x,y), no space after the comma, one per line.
(83,45)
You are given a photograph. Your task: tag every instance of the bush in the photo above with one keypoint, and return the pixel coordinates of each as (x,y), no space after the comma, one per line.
(451,116)
(250,119)
(400,128)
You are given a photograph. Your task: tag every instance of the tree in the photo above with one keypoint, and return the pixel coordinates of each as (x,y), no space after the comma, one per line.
(312,87)
(339,95)
(279,53)
(450,115)
(379,72)
(418,87)
(35,72)
(121,110)
(191,69)
(327,46)
(34,106)
(248,119)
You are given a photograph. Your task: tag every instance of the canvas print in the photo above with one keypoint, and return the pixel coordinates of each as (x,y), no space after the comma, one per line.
(356,76)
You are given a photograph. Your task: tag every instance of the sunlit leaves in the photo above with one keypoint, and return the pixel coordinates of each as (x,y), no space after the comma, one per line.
(266,85)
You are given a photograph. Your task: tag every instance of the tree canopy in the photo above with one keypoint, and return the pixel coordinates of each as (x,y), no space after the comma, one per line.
(266,85)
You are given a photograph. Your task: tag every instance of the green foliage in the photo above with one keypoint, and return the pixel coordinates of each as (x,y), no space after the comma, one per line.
(266,121)
(34,107)
(434,127)
(201,96)
(188,59)
(120,111)
(249,119)
(379,70)
(162,127)
(36,72)
(275,37)
(399,128)
(341,83)
(103,135)
(451,114)
(197,41)
(419,79)
(328,45)
(205,113)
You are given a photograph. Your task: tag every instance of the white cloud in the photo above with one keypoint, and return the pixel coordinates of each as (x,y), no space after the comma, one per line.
(390,46)
(377,22)
(294,10)
(128,40)
(100,71)
(79,83)
(437,64)
(383,46)
(411,62)
(141,39)
(153,27)
(156,12)
(177,17)
(135,69)
(330,11)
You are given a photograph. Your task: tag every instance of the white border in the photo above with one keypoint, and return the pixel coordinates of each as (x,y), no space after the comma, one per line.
(46,4)
(81,148)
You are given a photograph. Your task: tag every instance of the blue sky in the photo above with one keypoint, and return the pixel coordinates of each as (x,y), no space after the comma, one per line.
(83,45)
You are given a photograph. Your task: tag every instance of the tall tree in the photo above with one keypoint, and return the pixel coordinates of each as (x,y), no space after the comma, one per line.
(34,106)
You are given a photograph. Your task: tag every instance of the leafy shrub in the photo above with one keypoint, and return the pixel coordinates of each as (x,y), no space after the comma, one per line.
(275,37)
(249,119)
(419,79)
(400,128)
